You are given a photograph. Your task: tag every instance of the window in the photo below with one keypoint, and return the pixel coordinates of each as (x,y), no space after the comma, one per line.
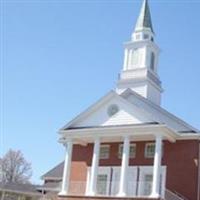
(135,57)
(137,36)
(152,64)
(102,184)
(148,184)
(149,150)
(132,151)
(112,110)
(104,151)
(146,36)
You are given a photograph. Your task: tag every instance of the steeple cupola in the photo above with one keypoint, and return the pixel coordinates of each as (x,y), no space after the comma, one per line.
(144,28)
(141,60)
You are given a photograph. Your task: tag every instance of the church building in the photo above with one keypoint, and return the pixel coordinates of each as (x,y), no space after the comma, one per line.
(126,146)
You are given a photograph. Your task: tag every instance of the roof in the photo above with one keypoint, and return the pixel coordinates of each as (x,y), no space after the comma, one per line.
(54,173)
(151,113)
(164,114)
(27,189)
(125,125)
(144,19)
(51,186)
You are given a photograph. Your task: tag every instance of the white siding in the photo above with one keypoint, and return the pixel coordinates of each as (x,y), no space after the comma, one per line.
(127,115)
(159,116)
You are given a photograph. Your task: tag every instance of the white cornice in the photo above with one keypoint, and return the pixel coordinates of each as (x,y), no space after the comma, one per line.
(136,44)
(90,109)
(119,131)
(139,81)
(189,136)
(159,109)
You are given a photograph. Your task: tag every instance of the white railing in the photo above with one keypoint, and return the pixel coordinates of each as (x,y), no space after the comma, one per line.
(169,195)
(77,188)
(133,189)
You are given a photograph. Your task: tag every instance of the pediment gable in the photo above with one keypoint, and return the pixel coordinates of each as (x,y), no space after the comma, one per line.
(133,109)
(158,113)
(97,114)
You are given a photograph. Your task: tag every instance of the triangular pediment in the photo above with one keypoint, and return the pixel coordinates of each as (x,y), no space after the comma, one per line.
(98,114)
(158,113)
(133,109)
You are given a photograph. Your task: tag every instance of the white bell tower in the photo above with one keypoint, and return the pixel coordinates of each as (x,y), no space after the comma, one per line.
(141,60)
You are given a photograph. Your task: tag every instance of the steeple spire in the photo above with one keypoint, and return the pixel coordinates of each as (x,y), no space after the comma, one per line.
(144,19)
(140,68)
(144,28)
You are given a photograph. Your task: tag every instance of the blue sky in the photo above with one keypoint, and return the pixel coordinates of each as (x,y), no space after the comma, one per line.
(59,57)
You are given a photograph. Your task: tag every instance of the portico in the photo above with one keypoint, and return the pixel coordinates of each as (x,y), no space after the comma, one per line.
(131,133)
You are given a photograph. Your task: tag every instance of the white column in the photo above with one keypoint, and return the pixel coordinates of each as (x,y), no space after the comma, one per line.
(94,168)
(125,58)
(67,167)
(124,167)
(157,167)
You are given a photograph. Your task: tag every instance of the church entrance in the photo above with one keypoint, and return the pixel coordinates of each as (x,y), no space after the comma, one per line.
(139,181)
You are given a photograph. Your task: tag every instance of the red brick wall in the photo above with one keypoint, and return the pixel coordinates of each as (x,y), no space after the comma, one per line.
(180,158)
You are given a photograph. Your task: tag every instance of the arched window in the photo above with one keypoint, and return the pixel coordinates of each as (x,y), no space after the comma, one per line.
(152,64)
(134,58)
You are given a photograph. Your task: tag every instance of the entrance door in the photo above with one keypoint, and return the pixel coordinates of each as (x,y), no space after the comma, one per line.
(148,178)
(102,180)
(130,183)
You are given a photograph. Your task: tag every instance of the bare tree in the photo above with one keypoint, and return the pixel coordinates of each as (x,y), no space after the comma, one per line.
(14,168)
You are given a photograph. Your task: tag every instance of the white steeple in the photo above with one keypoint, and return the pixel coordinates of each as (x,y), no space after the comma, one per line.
(141,60)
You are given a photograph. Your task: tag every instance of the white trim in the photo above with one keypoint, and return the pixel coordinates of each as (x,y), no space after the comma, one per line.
(120,147)
(145,150)
(163,179)
(106,157)
(173,195)
(143,171)
(131,169)
(90,109)
(159,109)
(87,181)
(124,167)
(122,98)
(189,136)
(134,44)
(157,167)
(94,167)
(67,168)
(149,170)
(132,172)
(101,170)
(116,131)
(115,180)
(102,101)
(106,171)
